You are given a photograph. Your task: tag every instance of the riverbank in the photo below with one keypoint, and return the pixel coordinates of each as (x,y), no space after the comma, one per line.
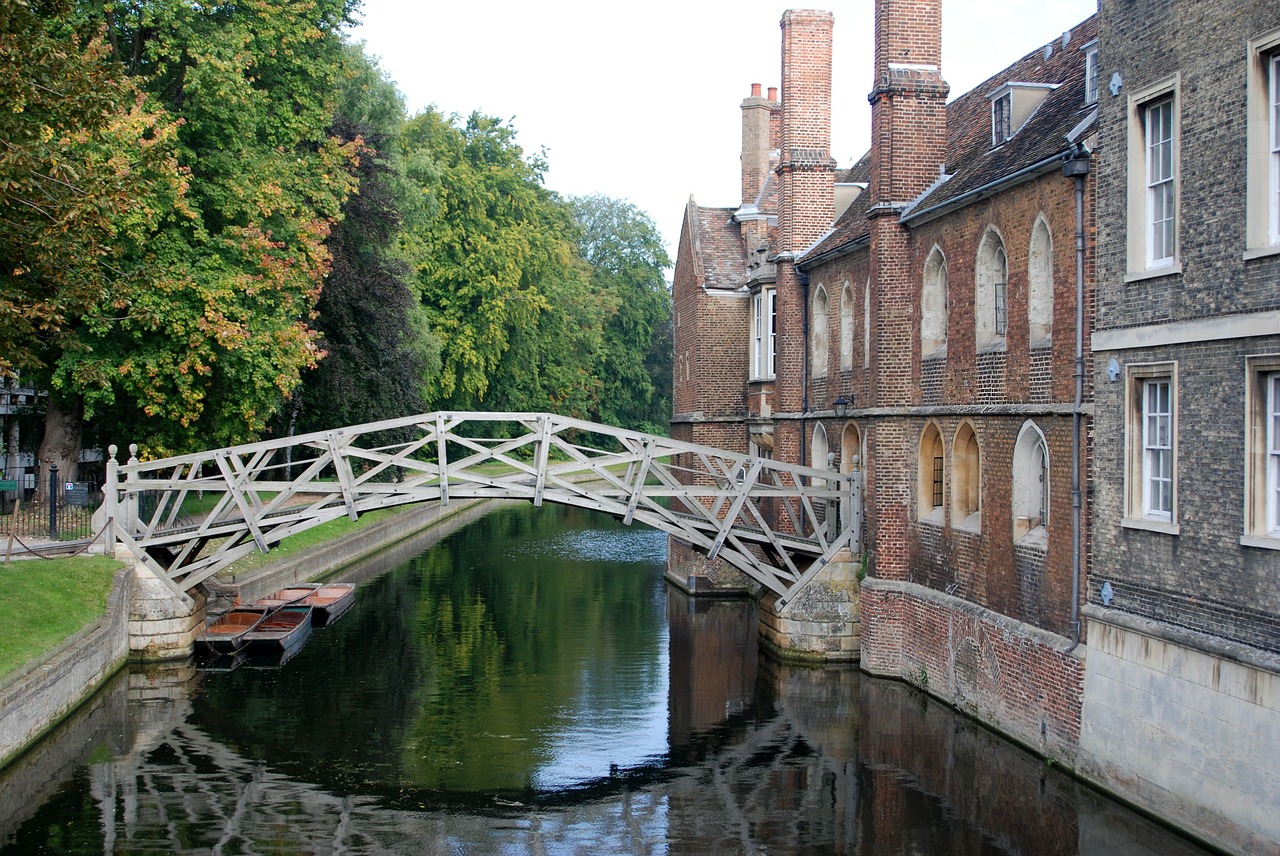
(40,694)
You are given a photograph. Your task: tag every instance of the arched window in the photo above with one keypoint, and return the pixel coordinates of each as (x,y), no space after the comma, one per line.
(846,327)
(932,466)
(966,480)
(1040,282)
(933,304)
(818,336)
(851,449)
(819,449)
(991,292)
(1030,483)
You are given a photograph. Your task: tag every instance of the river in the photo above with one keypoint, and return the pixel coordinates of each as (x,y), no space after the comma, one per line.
(529,684)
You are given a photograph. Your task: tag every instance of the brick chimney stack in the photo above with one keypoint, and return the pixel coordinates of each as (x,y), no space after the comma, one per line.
(908,101)
(805,165)
(908,145)
(757,142)
(806,206)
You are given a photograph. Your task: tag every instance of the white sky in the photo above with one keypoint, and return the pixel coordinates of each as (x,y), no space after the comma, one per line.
(640,101)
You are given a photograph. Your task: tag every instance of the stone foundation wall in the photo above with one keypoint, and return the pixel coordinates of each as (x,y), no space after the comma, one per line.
(692,572)
(1184,727)
(1015,677)
(38,696)
(822,623)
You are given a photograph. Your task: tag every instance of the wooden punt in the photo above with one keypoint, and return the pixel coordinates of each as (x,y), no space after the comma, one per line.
(330,600)
(226,634)
(284,629)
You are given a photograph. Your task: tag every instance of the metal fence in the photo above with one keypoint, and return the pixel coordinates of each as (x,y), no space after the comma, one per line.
(64,512)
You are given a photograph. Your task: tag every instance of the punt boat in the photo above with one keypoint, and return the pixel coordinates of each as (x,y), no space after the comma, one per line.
(330,600)
(226,634)
(285,629)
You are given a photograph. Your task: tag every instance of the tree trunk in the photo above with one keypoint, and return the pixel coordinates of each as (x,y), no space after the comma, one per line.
(63,437)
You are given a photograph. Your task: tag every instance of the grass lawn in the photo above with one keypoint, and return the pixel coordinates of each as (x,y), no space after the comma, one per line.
(43,601)
(323,533)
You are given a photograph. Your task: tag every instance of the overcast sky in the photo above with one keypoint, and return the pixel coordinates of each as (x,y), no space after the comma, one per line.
(640,101)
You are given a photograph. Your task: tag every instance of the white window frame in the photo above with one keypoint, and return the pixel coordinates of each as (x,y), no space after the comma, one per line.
(1091,73)
(1154,181)
(1262,452)
(764,334)
(1151,447)
(1262,186)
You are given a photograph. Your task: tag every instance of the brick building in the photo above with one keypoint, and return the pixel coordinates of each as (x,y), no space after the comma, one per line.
(1056,347)
(1184,599)
(931,290)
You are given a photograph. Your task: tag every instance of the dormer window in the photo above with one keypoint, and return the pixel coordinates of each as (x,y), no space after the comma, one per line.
(1012,105)
(1002,119)
(1091,73)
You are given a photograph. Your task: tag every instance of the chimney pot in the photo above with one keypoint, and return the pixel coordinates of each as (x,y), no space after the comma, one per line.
(773,93)
(755,90)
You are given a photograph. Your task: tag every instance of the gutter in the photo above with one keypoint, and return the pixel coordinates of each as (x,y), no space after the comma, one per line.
(969,196)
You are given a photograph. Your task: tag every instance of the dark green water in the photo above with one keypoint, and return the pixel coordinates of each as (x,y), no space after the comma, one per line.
(529,685)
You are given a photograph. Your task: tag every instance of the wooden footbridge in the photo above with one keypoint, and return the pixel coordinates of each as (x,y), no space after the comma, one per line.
(190,516)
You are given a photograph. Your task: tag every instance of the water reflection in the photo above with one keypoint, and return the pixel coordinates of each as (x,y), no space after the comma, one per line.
(529,686)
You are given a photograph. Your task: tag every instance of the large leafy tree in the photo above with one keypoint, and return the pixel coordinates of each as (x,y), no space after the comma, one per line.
(378,350)
(88,173)
(624,248)
(208,352)
(497,257)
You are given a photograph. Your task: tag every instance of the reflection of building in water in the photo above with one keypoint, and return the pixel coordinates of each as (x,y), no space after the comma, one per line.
(713,654)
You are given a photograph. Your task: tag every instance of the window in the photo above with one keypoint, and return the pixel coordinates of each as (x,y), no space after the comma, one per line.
(1030,483)
(1160,215)
(1001,118)
(931,467)
(1153,182)
(866,324)
(991,292)
(1040,283)
(1262,452)
(818,335)
(1151,496)
(966,480)
(1091,74)
(846,327)
(764,315)
(933,304)
(1263,147)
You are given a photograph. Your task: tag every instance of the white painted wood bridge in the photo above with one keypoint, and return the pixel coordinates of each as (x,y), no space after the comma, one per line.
(190,516)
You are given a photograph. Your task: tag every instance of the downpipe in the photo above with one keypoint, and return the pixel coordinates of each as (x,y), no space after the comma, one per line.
(1076,168)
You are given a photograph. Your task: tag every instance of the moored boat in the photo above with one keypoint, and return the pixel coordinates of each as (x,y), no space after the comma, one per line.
(283,629)
(329,600)
(226,634)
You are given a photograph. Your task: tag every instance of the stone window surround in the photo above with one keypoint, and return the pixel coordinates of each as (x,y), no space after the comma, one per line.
(933,303)
(819,332)
(1138,223)
(931,479)
(1261,471)
(1135,517)
(1262,194)
(1031,485)
(991,292)
(966,479)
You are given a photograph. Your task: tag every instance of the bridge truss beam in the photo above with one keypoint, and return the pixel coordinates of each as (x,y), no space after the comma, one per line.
(190,516)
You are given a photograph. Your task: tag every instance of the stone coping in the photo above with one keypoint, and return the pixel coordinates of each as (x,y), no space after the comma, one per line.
(1214,645)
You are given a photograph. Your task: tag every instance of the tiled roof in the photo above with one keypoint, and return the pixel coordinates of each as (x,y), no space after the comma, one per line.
(972,163)
(971,160)
(719,248)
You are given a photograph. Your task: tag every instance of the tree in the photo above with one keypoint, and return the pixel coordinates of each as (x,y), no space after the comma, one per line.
(207,352)
(88,171)
(624,248)
(378,350)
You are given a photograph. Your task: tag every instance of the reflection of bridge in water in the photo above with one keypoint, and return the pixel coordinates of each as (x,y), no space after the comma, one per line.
(778,523)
